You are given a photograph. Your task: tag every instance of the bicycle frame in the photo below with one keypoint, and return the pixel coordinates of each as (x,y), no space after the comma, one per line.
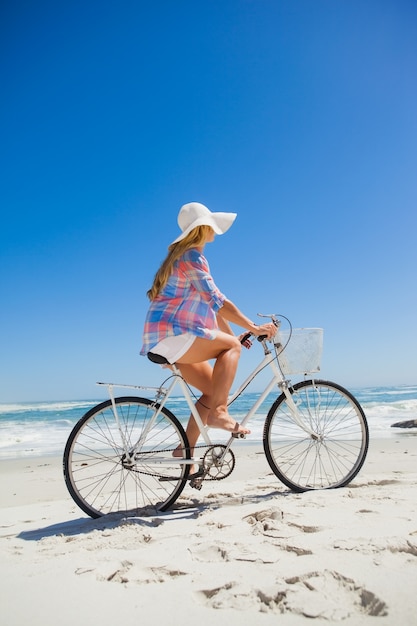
(162,394)
(131,452)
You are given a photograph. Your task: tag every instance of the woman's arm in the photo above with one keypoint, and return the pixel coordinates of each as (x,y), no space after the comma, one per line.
(231,313)
(224,324)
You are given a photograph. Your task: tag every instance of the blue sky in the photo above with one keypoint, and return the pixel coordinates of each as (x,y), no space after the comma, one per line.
(301,116)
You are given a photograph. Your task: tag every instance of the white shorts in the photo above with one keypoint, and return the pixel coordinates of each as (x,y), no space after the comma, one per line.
(173,348)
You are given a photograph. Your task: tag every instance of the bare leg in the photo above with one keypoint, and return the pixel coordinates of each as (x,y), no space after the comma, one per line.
(226,350)
(198,375)
(223,376)
(192,430)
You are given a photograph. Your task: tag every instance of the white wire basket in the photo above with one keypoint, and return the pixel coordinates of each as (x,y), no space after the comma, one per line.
(299,351)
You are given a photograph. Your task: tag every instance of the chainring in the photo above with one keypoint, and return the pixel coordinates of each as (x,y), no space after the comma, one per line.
(216,468)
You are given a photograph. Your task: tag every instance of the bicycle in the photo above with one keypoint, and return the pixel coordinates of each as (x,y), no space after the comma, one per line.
(119,455)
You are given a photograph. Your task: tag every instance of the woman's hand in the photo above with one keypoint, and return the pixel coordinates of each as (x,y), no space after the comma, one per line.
(269,330)
(245,340)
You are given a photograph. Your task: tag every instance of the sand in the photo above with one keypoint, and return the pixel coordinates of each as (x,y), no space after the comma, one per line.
(244,550)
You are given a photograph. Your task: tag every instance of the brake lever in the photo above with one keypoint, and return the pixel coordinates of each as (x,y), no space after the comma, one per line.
(245,338)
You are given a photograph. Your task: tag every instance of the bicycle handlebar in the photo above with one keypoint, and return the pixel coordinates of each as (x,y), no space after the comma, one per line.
(249,335)
(260,338)
(245,338)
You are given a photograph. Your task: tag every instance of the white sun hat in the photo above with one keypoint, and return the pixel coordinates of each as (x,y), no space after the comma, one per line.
(195,214)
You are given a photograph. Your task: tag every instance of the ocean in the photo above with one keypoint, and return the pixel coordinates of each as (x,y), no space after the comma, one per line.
(42,428)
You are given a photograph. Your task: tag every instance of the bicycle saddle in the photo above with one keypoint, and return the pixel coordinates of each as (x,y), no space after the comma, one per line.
(158,358)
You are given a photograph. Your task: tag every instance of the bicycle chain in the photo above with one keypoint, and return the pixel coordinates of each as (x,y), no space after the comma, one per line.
(203,477)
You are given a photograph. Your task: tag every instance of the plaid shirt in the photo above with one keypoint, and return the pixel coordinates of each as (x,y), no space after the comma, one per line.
(187,304)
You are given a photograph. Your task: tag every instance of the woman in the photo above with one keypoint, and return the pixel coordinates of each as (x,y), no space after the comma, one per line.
(188,319)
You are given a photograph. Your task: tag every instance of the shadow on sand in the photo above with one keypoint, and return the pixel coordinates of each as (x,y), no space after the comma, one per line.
(147,517)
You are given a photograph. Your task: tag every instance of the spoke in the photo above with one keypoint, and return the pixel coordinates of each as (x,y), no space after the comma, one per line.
(100,480)
(331,458)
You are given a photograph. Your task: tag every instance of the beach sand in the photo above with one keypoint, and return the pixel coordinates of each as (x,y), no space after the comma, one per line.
(244,550)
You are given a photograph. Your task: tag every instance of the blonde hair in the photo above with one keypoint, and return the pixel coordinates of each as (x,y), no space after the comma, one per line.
(194,239)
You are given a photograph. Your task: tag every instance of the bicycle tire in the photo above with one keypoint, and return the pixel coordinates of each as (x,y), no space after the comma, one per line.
(96,473)
(334,458)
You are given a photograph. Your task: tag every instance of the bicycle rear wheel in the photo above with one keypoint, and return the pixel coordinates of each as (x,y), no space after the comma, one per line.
(105,469)
(334,455)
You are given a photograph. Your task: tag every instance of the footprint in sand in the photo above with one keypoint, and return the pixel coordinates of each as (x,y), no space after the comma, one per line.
(120,575)
(209,553)
(374,547)
(332,596)
(126,572)
(270,522)
(265,520)
(327,595)
(274,513)
(306,529)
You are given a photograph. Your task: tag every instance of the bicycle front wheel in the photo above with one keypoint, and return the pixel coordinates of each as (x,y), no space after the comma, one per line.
(333,454)
(126,465)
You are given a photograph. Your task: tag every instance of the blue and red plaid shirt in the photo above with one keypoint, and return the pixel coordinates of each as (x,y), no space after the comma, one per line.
(187,304)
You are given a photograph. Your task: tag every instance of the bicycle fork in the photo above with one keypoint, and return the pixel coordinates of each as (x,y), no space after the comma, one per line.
(295,413)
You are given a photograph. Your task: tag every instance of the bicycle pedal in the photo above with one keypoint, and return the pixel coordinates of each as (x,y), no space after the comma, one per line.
(239,435)
(196,483)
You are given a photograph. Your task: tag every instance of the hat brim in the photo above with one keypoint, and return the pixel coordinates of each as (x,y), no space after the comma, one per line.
(219,222)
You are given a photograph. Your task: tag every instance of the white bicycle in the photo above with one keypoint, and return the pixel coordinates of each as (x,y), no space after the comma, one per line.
(119,456)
